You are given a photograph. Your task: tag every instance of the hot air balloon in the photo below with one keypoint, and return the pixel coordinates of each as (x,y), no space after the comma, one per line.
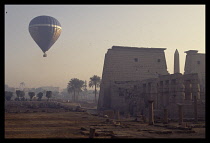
(45,30)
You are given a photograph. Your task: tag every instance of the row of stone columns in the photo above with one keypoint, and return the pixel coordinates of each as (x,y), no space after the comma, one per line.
(165,116)
(184,90)
(192,89)
(165,111)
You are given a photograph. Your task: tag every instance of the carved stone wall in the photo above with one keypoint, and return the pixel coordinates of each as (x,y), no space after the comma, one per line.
(195,63)
(130,64)
(132,76)
(166,91)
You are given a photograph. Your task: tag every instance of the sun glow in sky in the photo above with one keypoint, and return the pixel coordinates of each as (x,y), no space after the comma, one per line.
(88,31)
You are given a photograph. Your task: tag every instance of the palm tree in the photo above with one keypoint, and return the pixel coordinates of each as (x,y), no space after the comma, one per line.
(75,85)
(39,95)
(48,95)
(20,95)
(85,90)
(8,95)
(95,82)
(31,94)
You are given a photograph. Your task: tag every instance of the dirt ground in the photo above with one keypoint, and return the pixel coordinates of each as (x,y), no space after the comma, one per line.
(77,125)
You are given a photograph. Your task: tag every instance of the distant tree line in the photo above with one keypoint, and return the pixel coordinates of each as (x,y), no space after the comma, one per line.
(75,86)
(20,95)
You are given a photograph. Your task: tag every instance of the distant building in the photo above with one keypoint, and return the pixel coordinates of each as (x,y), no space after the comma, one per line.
(132,76)
(130,64)
(195,63)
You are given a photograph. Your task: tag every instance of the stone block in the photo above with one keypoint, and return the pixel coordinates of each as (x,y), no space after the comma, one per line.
(109,113)
(92,133)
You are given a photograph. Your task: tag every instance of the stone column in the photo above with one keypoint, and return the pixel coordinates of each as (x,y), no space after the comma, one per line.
(151,112)
(154,94)
(92,133)
(180,91)
(188,92)
(180,111)
(160,90)
(196,89)
(166,88)
(165,116)
(195,109)
(149,91)
(117,115)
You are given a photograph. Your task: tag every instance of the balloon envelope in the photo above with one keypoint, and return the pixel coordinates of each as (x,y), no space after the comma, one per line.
(45,30)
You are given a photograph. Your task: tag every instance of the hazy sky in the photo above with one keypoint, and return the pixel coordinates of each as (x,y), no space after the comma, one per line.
(88,31)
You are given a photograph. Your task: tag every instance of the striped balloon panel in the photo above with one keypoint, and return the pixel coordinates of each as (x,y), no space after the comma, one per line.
(44,35)
(44,20)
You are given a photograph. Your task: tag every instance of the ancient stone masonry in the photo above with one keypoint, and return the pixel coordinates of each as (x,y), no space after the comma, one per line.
(180,106)
(151,112)
(195,63)
(192,86)
(176,62)
(195,109)
(130,64)
(166,91)
(165,116)
(127,88)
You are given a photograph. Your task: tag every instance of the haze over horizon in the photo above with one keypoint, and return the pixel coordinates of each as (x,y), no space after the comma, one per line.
(88,31)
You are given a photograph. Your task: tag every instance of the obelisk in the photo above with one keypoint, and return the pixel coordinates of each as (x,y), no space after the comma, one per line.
(176,62)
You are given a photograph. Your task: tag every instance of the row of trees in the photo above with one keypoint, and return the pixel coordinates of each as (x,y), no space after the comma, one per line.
(40,94)
(21,95)
(76,85)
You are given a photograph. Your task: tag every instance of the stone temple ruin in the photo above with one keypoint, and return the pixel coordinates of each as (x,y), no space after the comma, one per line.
(134,79)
